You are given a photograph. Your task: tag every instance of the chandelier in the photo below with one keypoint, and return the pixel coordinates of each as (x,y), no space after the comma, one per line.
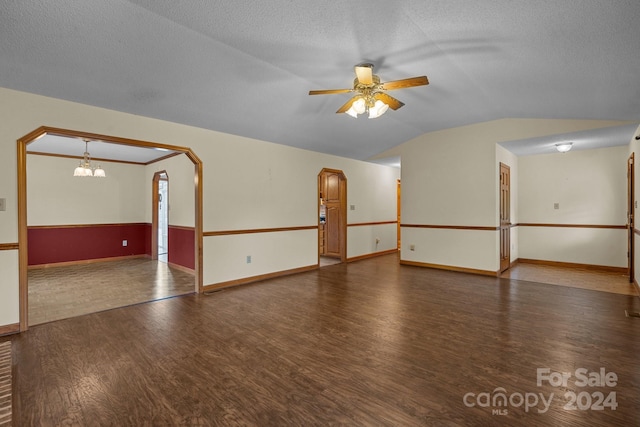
(85,168)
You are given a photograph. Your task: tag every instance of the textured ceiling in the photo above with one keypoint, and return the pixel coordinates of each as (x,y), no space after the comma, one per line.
(245,67)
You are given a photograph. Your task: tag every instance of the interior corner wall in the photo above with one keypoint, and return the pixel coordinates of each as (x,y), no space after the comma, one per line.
(371,198)
(582,196)
(247,185)
(256,185)
(448,198)
(449,178)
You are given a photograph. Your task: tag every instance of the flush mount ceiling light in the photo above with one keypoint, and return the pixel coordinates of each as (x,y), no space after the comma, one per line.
(370,96)
(563,147)
(85,168)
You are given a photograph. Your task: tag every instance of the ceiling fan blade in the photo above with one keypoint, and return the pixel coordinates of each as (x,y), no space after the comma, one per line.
(393,103)
(401,84)
(348,104)
(329,91)
(364,72)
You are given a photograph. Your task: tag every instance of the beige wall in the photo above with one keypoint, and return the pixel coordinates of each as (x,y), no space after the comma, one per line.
(56,197)
(450,177)
(590,187)
(247,184)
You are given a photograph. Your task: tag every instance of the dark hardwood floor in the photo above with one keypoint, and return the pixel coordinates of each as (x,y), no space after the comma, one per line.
(366,343)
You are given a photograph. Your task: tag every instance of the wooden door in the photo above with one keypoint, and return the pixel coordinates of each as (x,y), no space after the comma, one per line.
(332,186)
(630,217)
(505,217)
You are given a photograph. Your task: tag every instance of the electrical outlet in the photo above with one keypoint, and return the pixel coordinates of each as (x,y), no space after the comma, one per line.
(248,259)
(125,243)
(352,207)
(412,247)
(556,206)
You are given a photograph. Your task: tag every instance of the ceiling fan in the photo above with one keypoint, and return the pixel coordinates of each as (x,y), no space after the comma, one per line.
(370,93)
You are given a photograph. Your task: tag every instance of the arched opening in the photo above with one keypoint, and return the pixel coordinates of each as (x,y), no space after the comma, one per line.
(160,216)
(332,218)
(22,201)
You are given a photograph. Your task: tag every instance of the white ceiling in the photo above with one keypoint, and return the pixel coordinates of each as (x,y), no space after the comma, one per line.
(98,150)
(245,67)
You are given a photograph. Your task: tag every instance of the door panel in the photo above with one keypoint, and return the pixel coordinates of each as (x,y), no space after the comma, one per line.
(333,187)
(332,231)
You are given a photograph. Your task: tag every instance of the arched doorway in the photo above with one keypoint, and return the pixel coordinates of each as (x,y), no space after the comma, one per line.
(160,216)
(332,218)
(22,201)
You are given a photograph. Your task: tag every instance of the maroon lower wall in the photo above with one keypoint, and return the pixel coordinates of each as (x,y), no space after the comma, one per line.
(49,245)
(182,246)
(55,244)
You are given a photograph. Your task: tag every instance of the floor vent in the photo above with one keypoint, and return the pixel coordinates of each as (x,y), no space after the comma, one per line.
(631,314)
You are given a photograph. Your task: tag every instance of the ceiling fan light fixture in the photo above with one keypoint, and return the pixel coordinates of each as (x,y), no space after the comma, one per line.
(378,109)
(564,146)
(352,113)
(371,93)
(359,106)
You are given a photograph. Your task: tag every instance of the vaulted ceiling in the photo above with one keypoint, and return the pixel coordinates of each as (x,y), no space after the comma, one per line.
(246,67)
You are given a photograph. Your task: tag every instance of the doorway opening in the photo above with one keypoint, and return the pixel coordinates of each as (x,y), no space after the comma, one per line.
(163,220)
(23,236)
(160,220)
(505,217)
(332,218)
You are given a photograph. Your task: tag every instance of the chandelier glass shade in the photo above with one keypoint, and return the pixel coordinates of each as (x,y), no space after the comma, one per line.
(85,168)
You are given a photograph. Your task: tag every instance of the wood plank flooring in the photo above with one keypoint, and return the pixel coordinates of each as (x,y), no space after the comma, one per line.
(369,343)
(60,292)
(583,278)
